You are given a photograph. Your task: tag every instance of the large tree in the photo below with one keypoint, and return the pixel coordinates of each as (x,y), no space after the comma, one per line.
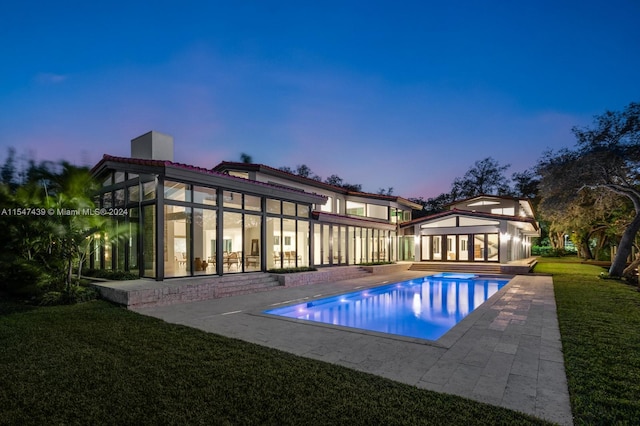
(484,177)
(607,155)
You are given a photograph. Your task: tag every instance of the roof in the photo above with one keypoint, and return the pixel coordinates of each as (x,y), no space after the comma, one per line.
(457,212)
(525,203)
(251,167)
(165,166)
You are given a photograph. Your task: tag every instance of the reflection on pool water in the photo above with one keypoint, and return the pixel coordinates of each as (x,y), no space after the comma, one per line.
(425,308)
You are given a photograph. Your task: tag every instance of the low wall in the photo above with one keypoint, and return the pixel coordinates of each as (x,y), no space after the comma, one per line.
(387,269)
(321,276)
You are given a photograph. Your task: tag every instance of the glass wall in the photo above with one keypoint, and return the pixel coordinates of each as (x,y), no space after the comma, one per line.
(232,239)
(303,243)
(149,240)
(133,236)
(252,236)
(177,241)
(274,242)
(425,252)
(204,241)
(463,247)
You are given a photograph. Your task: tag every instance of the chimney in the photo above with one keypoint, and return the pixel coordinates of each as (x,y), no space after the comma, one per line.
(153,146)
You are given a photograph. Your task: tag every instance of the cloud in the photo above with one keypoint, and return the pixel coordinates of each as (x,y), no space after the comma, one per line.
(50,78)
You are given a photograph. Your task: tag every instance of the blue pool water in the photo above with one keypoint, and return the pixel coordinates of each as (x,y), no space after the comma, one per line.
(425,308)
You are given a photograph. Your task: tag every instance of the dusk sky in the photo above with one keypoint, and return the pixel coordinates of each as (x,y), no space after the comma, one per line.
(386,94)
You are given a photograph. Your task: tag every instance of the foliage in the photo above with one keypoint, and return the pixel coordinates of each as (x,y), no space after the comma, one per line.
(46,233)
(291,270)
(606,156)
(96,363)
(381,262)
(74,294)
(525,184)
(484,177)
(245,158)
(599,322)
(111,275)
(548,251)
(335,180)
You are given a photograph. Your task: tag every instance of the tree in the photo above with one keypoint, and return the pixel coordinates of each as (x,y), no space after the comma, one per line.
(607,155)
(42,247)
(484,177)
(246,158)
(525,184)
(388,191)
(334,180)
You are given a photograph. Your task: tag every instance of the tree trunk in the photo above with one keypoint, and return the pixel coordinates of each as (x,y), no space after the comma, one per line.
(630,271)
(585,249)
(624,248)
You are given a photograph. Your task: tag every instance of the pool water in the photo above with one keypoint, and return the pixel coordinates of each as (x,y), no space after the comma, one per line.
(424,308)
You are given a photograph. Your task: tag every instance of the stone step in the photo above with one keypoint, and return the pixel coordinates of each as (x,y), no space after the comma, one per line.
(457,267)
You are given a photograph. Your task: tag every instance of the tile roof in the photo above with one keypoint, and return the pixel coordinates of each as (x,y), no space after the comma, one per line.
(451,212)
(166,163)
(273,171)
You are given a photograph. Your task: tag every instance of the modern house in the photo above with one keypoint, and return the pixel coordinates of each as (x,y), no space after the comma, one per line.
(486,228)
(184,221)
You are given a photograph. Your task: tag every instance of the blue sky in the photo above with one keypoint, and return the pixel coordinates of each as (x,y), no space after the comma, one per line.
(386,94)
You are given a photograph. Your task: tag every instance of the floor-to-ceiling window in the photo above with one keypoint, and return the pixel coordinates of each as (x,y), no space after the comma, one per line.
(463,247)
(252,241)
(425,247)
(232,239)
(479,248)
(451,247)
(204,241)
(149,240)
(493,247)
(436,247)
(290,256)
(177,241)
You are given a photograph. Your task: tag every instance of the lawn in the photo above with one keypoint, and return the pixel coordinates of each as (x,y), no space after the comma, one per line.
(97,363)
(600,328)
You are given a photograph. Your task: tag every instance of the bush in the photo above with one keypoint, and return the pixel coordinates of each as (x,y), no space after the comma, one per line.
(111,275)
(75,294)
(376,263)
(548,251)
(25,278)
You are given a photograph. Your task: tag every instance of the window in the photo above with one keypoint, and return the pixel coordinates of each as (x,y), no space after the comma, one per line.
(232,199)
(328,206)
(273,206)
(177,241)
(355,209)
(378,212)
(288,208)
(177,191)
(252,203)
(204,195)
(303,211)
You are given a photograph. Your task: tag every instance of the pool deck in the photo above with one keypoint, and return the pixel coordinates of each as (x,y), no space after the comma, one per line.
(506,353)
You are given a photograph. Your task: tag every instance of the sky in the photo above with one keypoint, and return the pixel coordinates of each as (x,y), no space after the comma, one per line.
(401,94)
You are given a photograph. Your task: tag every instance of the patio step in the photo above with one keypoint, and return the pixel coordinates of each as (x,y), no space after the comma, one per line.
(483,268)
(243,284)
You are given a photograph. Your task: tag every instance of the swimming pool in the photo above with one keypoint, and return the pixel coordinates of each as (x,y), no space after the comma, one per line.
(425,308)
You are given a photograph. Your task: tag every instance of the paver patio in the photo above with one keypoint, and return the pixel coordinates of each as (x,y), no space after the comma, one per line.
(507,352)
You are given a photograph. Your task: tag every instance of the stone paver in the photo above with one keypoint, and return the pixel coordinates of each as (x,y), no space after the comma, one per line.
(507,352)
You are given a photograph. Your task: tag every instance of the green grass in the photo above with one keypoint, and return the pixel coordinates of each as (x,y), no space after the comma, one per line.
(600,328)
(96,363)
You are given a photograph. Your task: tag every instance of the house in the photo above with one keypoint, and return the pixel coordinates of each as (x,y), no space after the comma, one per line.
(182,220)
(485,228)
